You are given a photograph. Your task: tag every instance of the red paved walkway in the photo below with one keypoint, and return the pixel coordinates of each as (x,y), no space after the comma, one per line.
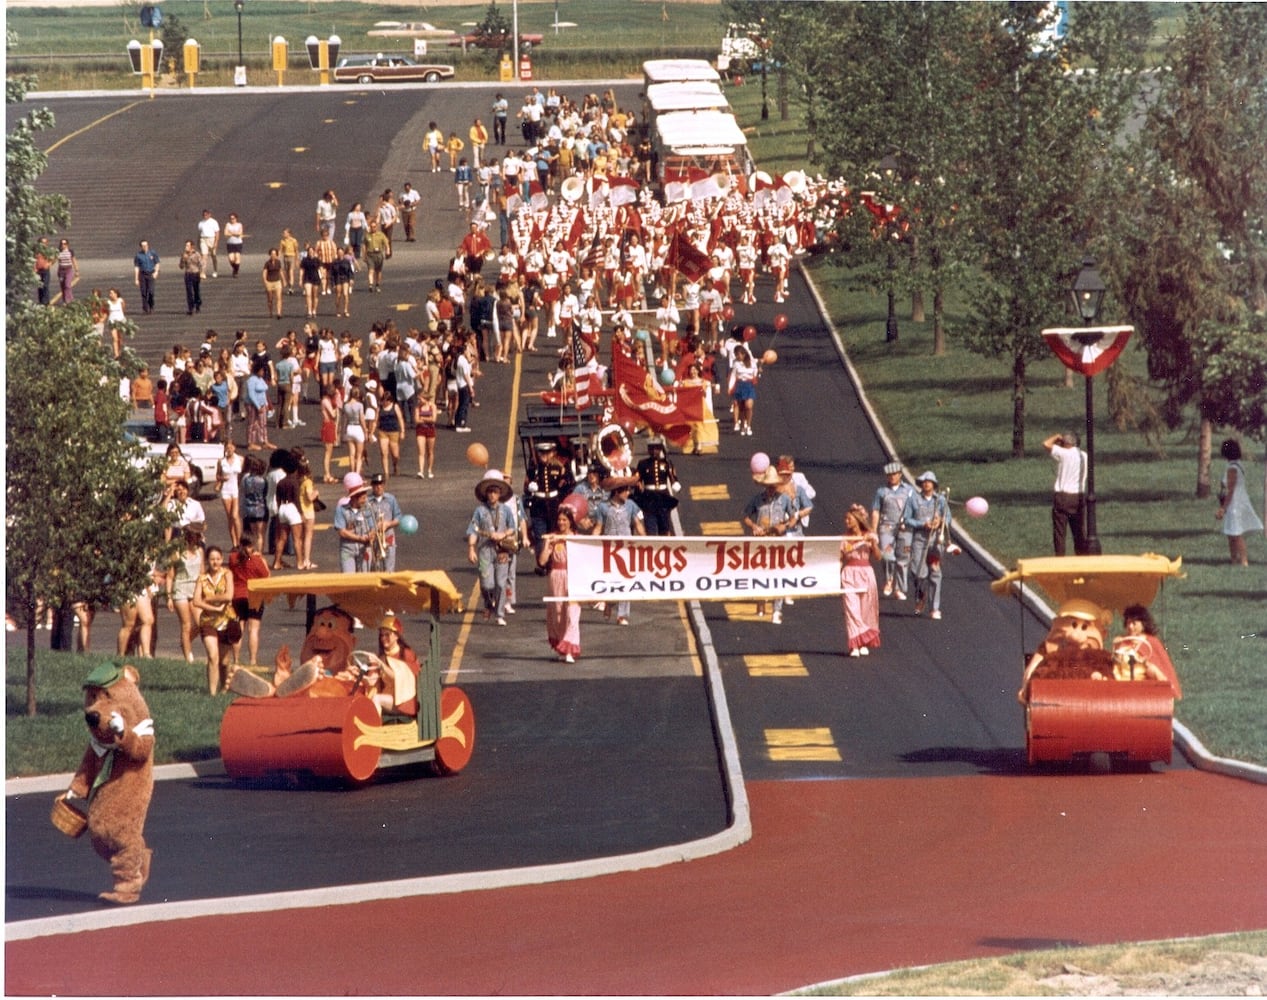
(840,878)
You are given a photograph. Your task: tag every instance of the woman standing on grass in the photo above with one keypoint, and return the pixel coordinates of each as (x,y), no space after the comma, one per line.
(217,622)
(187,567)
(1235,510)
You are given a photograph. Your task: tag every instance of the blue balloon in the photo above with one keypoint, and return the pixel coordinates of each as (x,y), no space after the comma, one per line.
(667,376)
(408,524)
(641,335)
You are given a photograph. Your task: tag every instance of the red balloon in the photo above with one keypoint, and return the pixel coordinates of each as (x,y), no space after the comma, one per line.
(749,333)
(728,312)
(780,322)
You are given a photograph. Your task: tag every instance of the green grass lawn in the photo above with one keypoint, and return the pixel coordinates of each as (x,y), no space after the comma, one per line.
(188,720)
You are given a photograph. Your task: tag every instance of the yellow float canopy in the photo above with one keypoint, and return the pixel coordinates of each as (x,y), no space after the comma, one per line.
(1113,582)
(367,595)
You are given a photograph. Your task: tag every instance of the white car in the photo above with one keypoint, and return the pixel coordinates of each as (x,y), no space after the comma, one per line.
(408,29)
(202,458)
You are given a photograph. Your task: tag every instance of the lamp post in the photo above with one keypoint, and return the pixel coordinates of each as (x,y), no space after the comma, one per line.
(239,74)
(1087,293)
(888,168)
(764,44)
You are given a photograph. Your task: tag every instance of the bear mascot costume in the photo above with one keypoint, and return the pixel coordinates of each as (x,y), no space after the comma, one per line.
(117,777)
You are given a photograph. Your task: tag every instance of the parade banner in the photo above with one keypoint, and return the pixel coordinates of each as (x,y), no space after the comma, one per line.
(704,569)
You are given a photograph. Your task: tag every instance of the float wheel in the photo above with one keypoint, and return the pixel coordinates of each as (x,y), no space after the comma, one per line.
(457,731)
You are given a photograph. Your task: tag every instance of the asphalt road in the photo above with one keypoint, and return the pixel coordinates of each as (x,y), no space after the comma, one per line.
(614,756)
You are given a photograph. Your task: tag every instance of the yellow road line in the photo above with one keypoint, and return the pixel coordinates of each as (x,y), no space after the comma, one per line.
(718,491)
(814,743)
(80,131)
(742,611)
(721,527)
(776,665)
(697,665)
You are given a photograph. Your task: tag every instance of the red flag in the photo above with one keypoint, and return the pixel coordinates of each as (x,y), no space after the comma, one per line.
(639,401)
(685,257)
(624,190)
(577,231)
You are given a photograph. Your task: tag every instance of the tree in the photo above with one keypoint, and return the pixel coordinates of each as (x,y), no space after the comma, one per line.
(28,213)
(1043,135)
(1194,253)
(494,31)
(82,514)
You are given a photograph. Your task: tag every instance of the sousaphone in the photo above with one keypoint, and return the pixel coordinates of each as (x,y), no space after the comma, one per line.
(795,180)
(572,188)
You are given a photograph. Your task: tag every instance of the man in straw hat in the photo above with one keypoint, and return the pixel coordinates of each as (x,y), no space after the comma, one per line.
(771,514)
(354,524)
(492,537)
(618,516)
(895,538)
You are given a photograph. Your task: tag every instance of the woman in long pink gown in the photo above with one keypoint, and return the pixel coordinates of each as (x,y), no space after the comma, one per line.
(563,618)
(861,599)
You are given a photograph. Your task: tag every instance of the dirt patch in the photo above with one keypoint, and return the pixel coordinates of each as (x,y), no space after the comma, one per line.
(1231,974)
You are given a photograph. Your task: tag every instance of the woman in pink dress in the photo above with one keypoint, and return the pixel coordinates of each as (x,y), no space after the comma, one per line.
(563,618)
(861,599)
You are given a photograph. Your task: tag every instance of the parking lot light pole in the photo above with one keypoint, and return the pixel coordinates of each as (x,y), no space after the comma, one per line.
(239,74)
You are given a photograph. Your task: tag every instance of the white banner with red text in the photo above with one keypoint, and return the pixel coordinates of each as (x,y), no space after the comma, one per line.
(676,568)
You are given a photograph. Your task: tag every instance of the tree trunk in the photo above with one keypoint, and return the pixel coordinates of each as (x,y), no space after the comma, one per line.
(1203,458)
(939,320)
(917,294)
(30,650)
(1018,407)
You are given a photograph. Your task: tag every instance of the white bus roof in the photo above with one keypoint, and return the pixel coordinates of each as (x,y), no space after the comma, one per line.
(699,132)
(678,71)
(696,95)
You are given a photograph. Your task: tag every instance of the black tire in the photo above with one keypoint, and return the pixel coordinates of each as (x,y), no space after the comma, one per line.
(432,77)
(364,79)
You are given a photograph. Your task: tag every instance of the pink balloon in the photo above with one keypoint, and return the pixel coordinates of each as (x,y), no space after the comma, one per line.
(759,462)
(576,504)
(977,507)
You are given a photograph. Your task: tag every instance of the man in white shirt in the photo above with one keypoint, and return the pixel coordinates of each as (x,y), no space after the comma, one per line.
(208,241)
(1069,491)
(409,199)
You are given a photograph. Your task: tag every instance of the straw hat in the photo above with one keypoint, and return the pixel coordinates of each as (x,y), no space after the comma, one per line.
(770,477)
(492,479)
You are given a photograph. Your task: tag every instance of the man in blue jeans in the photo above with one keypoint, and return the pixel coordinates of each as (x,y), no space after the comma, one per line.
(145,272)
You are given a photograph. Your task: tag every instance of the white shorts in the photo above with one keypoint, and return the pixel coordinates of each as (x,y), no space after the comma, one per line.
(354,432)
(288,514)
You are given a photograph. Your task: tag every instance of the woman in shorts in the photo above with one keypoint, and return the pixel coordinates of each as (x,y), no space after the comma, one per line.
(354,429)
(217,622)
(390,423)
(186,568)
(246,564)
(425,434)
(329,428)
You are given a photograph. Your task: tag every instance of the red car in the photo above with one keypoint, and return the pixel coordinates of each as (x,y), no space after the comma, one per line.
(474,40)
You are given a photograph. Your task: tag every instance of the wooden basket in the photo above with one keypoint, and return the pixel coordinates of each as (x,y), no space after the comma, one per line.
(68,818)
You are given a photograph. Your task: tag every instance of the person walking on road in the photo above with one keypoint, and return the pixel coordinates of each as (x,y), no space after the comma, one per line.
(895,537)
(492,539)
(145,267)
(563,618)
(859,596)
(927,515)
(208,241)
(191,266)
